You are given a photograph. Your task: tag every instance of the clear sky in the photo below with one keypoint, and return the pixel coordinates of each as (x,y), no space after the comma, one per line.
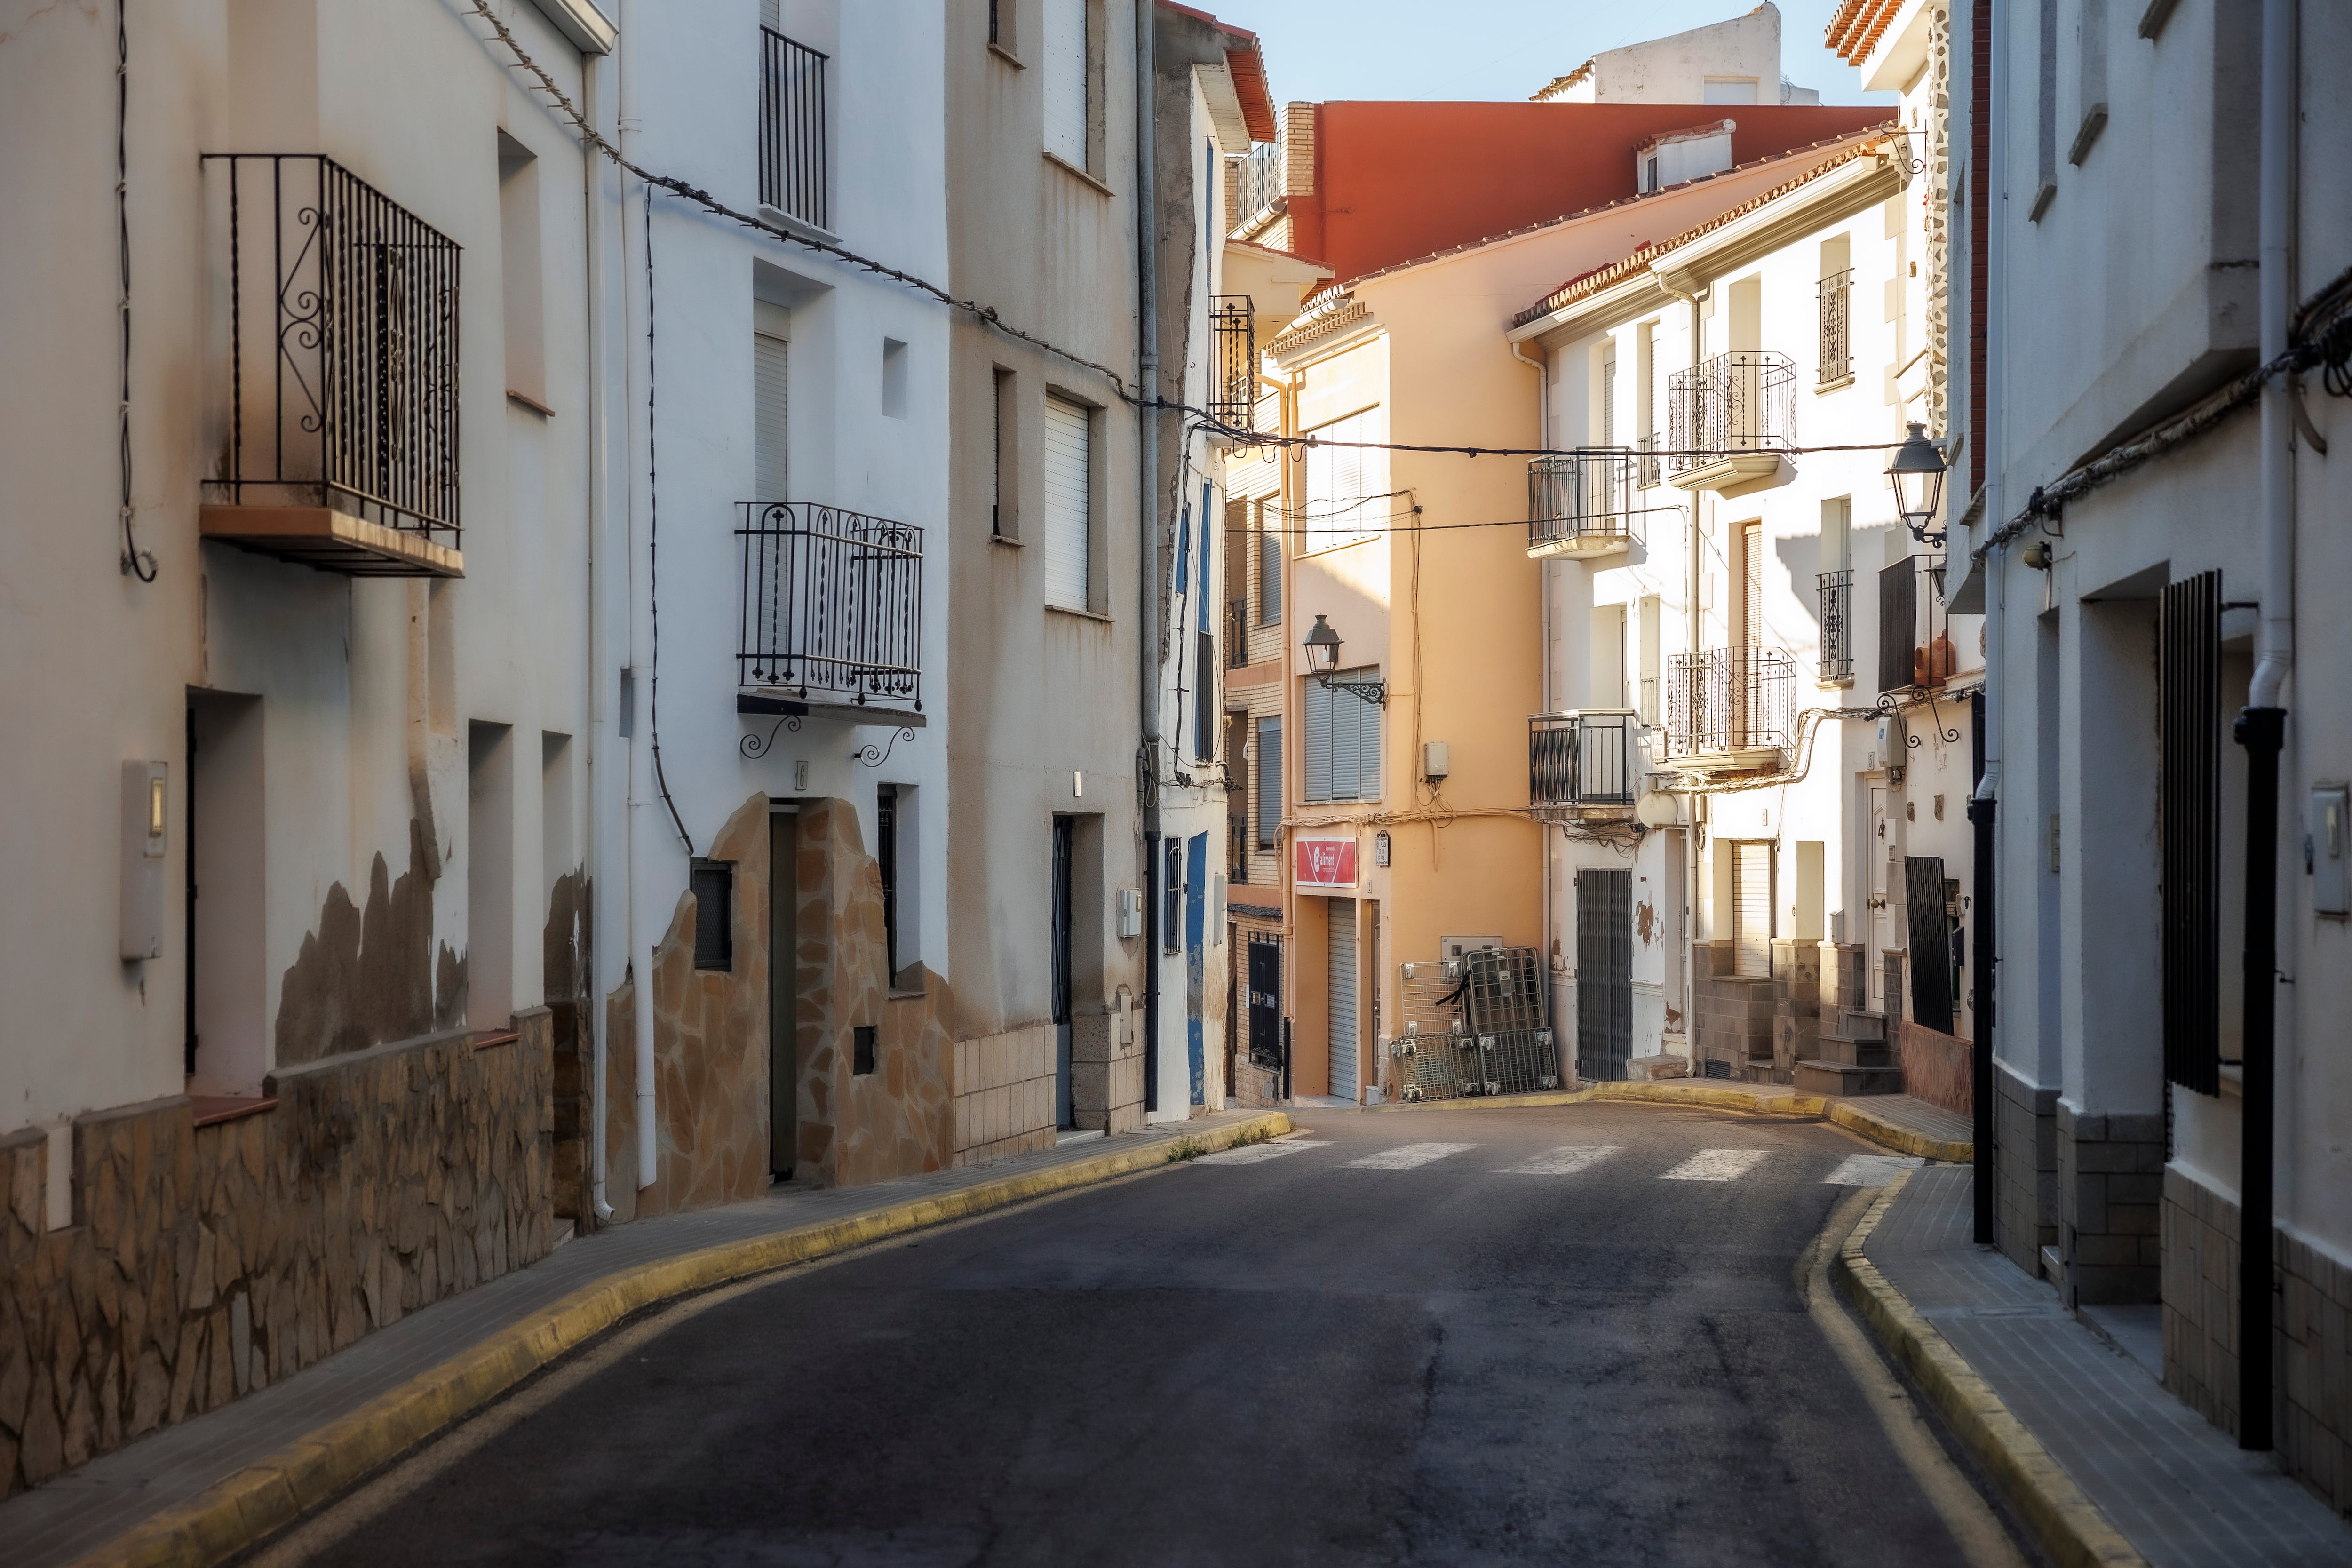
(1322,50)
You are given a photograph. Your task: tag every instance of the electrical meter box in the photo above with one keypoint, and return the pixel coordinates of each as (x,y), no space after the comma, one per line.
(2325,849)
(146,809)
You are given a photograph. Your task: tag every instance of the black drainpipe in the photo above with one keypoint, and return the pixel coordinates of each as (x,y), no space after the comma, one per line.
(2261,730)
(1980,814)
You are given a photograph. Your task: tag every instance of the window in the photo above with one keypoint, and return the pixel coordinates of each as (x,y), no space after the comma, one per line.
(1343,741)
(1068,65)
(771,331)
(1269,565)
(1204,698)
(1341,482)
(1649,174)
(714,914)
(1171,894)
(1269,783)
(1003,520)
(1749,632)
(1069,504)
(1651,617)
(518,264)
(894,379)
(1646,395)
(1751,907)
(1609,393)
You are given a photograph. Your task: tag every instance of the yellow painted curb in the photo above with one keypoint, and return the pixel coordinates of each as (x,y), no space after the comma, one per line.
(2068,1525)
(1848,1114)
(242,1508)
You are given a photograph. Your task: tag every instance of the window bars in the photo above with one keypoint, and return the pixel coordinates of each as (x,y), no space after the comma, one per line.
(1915,649)
(1837,625)
(1837,341)
(792,174)
(342,336)
(1730,699)
(833,603)
(1236,632)
(1743,401)
(1585,500)
(1232,360)
(1581,759)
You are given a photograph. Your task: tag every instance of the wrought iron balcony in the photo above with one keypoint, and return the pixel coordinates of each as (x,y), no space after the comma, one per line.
(1837,626)
(341,371)
(1232,360)
(1584,759)
(831,609)
(1731,708)
(793,178)
(1729,417)
(1580,505)
(1837,314)
(1915,645)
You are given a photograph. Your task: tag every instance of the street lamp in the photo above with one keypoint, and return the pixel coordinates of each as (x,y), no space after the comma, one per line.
(1917,475)
(1322,651)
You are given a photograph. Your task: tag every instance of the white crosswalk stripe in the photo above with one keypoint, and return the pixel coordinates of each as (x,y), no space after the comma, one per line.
(1407,1157)
(1564,1160)
(1717,1166)
(1252,1153)
(1871,1170)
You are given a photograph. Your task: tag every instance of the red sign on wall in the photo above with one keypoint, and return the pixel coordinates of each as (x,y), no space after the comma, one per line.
(1325,862)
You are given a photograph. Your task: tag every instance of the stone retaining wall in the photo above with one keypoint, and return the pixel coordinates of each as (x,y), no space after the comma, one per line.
(206,1262)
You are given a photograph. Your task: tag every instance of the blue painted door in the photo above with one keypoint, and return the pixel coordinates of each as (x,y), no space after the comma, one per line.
(1196,958)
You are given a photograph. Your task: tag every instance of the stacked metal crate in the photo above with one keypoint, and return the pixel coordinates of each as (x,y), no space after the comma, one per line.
(1475,1024)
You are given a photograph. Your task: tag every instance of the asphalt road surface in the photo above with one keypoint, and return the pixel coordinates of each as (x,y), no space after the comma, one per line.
(1573,1335)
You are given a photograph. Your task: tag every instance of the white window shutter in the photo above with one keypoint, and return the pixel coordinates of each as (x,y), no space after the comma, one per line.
(1069,499)
(772,418)
(1065,65)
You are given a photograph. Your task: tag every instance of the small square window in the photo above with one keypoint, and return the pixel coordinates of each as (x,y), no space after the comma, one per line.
(863,1044)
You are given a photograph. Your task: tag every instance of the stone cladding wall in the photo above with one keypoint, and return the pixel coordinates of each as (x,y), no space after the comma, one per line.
(203,1263)
(2312,1356)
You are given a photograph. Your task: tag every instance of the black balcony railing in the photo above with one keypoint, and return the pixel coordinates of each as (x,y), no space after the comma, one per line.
(1236,632)
(1915,648)
(1237,851)
(1837,315)
(1730,699)
(1582,502)
(793,174)
(1232,360)
(342,346)
(1744,401)
(1257,181)
(1837,625)
(1582,759)
(833,604)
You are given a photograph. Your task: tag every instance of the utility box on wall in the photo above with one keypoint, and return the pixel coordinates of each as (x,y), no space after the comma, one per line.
(2325,851)
(146,808)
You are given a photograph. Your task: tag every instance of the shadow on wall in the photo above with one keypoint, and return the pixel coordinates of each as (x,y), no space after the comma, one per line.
(363,978)
(712,1086)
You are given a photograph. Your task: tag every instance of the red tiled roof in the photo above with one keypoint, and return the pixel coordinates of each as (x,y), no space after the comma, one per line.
(1857,26)
(1599,278)
(1246,61)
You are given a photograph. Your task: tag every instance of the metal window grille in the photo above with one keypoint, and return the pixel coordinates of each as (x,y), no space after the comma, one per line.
(2188,810)
(1236,632)
(1730,699)
(1915,649)
(792,174)
(831,604)
(1584,499)
(1837,345)
(342,361)
(885,853)
(1837,634)
(1581,759)
(1743,401)
(1232,360)
(1647,446)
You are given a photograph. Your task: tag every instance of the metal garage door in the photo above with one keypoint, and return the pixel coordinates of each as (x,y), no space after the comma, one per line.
(1751,905)
(1605,975)
(1343,996)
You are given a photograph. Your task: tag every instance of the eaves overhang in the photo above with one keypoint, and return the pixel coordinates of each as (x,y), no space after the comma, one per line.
(583,22)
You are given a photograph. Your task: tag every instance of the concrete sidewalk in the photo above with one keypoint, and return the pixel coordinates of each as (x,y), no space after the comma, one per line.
(189,1492)
(2176,1487)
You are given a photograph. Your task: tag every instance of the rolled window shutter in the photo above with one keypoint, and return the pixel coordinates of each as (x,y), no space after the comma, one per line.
(772,415)
(1269,567)
(1368,745)
(1068,503)
(1751,907)
(1318,742)
(1269,782)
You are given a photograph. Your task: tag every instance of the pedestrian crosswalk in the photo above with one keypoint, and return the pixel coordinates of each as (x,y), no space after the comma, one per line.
(1709,1165)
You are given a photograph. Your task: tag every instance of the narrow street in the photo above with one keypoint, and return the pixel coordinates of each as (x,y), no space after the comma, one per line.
(1574,1334)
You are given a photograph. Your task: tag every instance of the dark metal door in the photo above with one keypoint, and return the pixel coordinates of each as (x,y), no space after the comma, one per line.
(1605,975)
(1931,942)
(1266,1000)
(2189,816)
(1062,1107)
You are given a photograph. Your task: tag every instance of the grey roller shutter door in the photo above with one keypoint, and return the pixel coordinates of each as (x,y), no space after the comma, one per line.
(1751,907)
(1069,500)
(1343,996)
(771,414)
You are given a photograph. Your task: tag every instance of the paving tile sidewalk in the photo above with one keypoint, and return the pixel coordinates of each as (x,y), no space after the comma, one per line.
(2183,1493)
(84,1509)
